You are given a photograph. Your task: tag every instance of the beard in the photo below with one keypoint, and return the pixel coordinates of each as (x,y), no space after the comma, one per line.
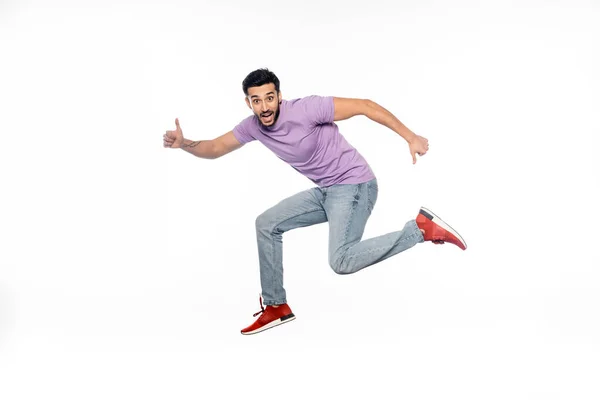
(274,118)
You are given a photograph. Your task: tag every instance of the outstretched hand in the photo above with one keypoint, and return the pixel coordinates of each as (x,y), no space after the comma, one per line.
(174,139)
(418,145)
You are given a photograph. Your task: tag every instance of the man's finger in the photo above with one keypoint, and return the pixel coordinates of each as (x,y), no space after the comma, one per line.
(414,158)
(177,123)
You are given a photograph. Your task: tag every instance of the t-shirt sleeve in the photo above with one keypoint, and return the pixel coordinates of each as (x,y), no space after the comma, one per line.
(242,131)
(319,109)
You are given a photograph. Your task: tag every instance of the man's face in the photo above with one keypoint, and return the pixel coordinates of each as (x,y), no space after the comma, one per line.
(264,102)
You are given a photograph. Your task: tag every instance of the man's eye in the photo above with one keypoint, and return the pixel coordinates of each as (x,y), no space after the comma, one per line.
(270,98)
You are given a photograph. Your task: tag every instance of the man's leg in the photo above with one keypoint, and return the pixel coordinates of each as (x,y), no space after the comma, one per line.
(302,209)
(348,207)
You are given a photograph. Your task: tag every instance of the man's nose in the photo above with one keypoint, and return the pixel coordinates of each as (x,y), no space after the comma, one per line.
(263,106)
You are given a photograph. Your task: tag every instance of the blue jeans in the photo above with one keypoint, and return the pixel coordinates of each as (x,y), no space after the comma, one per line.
(347,208)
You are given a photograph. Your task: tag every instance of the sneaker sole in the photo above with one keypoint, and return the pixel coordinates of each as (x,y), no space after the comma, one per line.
(272,324)
(438,221)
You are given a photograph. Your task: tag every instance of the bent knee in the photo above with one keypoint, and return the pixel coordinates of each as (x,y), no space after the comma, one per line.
(260,221)
(265,223)
(338,266)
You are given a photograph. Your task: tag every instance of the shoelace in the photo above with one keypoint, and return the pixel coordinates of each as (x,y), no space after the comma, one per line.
(262,309)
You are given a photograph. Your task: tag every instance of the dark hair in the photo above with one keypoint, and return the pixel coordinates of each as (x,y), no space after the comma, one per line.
(258,78)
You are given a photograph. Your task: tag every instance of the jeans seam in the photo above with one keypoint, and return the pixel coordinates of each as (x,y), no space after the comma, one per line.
(347,229)
(368,198)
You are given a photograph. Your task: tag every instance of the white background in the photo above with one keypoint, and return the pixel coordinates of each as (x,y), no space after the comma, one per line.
(127,270)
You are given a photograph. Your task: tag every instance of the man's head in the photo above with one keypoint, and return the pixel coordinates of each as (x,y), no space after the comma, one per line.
(261,88)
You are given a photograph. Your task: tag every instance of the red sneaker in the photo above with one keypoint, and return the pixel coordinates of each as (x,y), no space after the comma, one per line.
(271,316)
(437,230)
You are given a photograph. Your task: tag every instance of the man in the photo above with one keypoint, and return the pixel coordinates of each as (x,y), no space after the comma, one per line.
(302,132)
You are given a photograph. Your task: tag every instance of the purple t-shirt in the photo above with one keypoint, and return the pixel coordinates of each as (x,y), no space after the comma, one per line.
(306,138)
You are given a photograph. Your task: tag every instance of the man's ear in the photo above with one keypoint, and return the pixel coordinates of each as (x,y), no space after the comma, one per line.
(248,103)
(280,97)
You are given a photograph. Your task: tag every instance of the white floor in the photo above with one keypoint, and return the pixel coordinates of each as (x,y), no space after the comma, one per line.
(127,270)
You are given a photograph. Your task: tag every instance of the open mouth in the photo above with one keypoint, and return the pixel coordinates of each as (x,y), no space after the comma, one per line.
(267,115)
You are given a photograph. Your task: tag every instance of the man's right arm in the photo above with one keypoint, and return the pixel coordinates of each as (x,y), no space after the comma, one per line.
(199,148)
(214,148)
(210,149)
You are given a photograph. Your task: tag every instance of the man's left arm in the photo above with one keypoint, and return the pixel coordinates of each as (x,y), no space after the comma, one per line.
(345,108)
